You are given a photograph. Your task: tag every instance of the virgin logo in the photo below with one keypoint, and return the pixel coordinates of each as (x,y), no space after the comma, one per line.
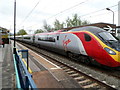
(66,42)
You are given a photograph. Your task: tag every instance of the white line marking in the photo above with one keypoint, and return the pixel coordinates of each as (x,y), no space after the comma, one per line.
(45,59)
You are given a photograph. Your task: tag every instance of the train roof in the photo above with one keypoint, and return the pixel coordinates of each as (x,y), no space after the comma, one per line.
(91,29)
(100,25)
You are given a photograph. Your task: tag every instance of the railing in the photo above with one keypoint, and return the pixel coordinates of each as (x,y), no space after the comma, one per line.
(23,77)
(16,73)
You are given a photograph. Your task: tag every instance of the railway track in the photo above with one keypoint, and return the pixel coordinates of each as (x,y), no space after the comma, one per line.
(84,79)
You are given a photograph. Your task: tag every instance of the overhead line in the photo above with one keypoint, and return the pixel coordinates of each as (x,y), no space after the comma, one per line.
(68,9)
(97,11)
(81,15)
(100,14)
(30,12)
(65,10)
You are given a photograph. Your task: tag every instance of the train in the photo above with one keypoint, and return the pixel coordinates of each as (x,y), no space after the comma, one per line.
(89,44)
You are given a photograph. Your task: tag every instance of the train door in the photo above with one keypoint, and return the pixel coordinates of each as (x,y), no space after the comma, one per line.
(33,38)
(57,38)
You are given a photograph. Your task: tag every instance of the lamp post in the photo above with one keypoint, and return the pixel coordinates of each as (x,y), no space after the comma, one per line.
(112,12)
(14,49)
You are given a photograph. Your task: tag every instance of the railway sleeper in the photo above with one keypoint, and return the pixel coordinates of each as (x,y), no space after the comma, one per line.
(79,78)
(74,75)
(82,79)
(92,85)
(71,72)
(67,70)
(86,82)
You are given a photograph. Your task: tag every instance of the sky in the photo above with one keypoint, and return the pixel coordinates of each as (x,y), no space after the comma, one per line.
(30,14)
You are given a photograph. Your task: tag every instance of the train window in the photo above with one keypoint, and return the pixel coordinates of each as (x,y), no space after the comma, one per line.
(87,37)
(107,36)
(26,37)
(48,39)
(57,37)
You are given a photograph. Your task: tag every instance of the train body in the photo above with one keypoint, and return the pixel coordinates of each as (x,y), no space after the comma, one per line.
(90,43)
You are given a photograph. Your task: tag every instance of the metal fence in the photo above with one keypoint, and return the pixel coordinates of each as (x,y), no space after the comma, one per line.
(23,77)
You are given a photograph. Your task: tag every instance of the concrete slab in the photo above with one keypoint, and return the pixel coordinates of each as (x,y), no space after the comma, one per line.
(44,79)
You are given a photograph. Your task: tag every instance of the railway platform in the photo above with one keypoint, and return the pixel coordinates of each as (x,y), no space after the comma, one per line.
(6,67)
(46,74)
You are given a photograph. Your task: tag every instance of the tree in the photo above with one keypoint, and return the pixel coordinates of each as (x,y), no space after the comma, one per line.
(68,22)
(22,32)
(38,31)
(47,27)
(75,21)
(58,25)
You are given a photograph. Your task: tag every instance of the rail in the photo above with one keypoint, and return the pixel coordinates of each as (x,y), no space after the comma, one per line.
(23,77)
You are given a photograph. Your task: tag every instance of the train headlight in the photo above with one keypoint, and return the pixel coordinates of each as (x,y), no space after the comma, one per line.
(110,51)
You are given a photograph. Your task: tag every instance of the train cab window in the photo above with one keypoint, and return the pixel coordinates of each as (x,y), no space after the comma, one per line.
(107,36)
(87,37)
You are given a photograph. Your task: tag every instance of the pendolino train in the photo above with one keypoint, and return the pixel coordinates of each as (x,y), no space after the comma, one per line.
(88,44)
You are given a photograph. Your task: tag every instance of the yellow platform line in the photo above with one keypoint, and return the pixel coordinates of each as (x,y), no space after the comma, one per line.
(30,71)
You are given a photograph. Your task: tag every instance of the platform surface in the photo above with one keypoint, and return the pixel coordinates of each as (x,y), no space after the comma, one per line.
(46,74)
(6,67)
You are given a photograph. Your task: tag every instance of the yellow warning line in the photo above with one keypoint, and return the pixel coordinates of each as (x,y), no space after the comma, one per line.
(30,71)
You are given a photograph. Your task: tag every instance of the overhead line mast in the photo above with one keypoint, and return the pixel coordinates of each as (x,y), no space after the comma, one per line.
(14,49)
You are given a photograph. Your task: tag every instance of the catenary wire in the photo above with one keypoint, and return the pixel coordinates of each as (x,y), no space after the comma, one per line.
(68,9)
(30,12)
(81,15)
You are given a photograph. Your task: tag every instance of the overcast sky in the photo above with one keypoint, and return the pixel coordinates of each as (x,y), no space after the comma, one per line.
(47,10)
